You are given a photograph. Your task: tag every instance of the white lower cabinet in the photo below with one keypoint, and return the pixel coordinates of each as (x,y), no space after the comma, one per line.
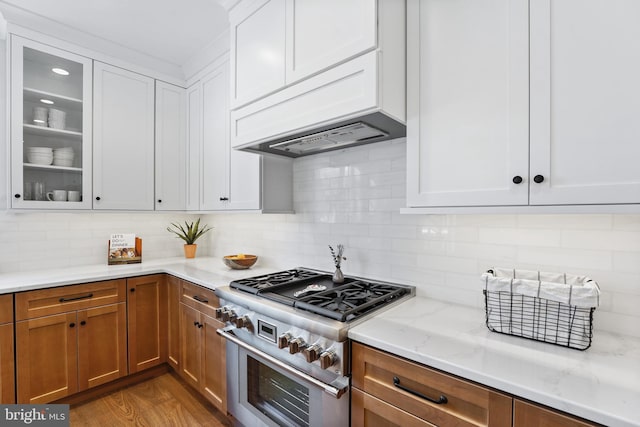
(123,123)
(170,147)
(221,178)
(517,103)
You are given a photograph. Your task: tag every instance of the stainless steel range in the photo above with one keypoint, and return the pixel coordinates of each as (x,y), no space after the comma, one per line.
(287,348)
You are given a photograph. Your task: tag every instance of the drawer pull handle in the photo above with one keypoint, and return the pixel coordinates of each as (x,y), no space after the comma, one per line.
(441,400)
(76,298)
(200,299)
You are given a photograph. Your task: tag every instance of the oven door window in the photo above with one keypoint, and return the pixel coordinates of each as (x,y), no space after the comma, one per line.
(277,396)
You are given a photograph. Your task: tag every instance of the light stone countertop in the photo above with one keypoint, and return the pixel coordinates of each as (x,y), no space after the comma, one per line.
(601,384)
(206,271)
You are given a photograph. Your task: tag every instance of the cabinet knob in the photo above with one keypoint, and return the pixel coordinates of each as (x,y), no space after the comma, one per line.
(17,196)
(98,198)
(159,200)
(132,290)
(517,179)
(538,179)
(72,325)
(84,322)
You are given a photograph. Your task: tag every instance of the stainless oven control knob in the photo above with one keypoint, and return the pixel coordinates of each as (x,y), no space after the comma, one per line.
(219,311)
(295,345)
(327,359)
(242,322)
(283,340)
(312,353)
(228,315)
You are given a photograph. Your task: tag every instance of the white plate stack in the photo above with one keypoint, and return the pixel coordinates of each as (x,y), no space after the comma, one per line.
(57,118)
(40,155)
(63,156)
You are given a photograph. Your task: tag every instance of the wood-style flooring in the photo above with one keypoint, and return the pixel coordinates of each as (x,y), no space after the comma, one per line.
(162,401)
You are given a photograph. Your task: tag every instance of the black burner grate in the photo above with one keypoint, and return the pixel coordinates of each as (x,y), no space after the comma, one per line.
(351,300)
(342,302)
(272,281)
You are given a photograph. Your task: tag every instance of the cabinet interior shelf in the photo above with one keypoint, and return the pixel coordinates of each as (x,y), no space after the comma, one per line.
(59,101)
(53,168)
(45,131)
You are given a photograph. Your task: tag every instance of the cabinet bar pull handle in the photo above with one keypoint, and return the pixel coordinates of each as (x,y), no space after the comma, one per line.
(441,400)
(76,298)
(200,299)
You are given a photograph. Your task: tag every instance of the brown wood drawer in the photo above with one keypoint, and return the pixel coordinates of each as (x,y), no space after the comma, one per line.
(6,308)
(369,411)
(202,299)
(45,302)
(530,415)
(467,404)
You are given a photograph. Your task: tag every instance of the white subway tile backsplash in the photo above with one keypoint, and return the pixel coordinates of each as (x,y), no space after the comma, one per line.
(562,260)
(353,196)
(520,236)
(608,240)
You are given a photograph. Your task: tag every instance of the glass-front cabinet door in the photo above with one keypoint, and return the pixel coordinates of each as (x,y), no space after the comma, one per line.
(50,127)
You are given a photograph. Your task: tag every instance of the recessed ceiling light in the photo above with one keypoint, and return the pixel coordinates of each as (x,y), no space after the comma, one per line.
(46,101)
(60,71)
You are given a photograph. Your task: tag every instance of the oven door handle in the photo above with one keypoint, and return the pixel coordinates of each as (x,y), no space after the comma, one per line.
(328,388)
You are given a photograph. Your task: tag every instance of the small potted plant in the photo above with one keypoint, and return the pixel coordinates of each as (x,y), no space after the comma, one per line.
(189,233)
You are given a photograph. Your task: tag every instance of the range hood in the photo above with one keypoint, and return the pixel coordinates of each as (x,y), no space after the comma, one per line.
(367,129)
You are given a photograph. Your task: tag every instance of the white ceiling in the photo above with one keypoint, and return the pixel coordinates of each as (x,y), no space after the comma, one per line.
(169,30)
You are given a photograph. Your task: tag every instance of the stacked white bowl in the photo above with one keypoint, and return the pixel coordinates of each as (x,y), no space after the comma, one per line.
(40,155)
(57,118)
(63,156)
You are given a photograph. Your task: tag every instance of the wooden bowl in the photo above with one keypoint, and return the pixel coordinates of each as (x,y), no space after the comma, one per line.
(239,261)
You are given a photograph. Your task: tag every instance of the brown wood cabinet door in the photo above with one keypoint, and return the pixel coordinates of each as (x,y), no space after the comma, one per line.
(173,329)
(147,314)
(369,411)
(102,345)
(7,383)
(46,349)
(190,346)
(405,384)
(214,363)
(530,415)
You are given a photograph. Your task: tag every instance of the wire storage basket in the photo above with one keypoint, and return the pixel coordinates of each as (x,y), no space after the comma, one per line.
(555,308)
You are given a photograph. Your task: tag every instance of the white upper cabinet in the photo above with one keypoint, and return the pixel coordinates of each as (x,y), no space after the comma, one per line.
(585,132)
(215,139)
(50,127)
(275,43)
(123,139)
(258,44)
(517,103)
(323,33)
(170,147)
(468,102)
(220,178)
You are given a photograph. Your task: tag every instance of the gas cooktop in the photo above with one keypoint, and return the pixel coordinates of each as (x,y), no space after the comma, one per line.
(315,292)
